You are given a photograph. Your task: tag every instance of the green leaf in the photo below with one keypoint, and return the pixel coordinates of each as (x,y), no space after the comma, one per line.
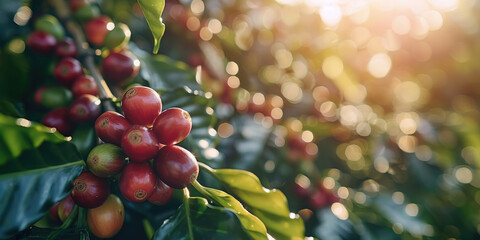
(206,222)
(11,109)
(163,73)
(255,228)
(27,196)
(152,10)
(268,205)
(19,134)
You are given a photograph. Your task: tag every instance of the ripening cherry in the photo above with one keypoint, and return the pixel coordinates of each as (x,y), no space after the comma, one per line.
(84,85)
(105,221)
(41,42)
(137,181)
(176,166)
(67,70)
(110,127)
(86,108)
(139,143)
(141,105)
(172,126)
(53,97)
(105,160)
(58,118)
(119,67)
(77,4)
(97,28)
(90,191)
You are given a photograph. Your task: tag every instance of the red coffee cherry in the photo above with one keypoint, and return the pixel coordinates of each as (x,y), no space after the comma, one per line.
(137,182)
(96,30)
(84,85)
(66,48)
(172,126)
(41,42)
(58,118)
(111,126)
(141,105)
(118,67)
(139,143)
(65,208)
(53,213)
(105,221)
(176,166)
(86,108)
(161,193)
(105,160)
(318,200)
(90,191)
(67,70)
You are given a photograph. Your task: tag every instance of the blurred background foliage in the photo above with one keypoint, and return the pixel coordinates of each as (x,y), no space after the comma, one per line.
(364,112)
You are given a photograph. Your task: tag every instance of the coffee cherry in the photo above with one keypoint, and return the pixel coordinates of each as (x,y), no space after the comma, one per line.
(84,85)
(65,208)
(118,38)
(58,118)
(118,67)
(67,70)
(176,166)
(105,221)
(161,194)
(50,24)
(90,191)
(41,42)
(97,28)
(66,48)
(105,160)
(172,126)
(318,200)
(53,97)
(139,143)
(86,108)
(141,105)
(53,213)
(137,182)
(87,12)
(77,4)
(111,126)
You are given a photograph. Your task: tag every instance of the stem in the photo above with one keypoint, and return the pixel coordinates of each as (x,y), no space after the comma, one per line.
(148,228)
(186,196)
(84,50)
(207,168)
(200,189)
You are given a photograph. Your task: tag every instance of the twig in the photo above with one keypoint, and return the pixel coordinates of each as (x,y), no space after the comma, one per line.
(84,51)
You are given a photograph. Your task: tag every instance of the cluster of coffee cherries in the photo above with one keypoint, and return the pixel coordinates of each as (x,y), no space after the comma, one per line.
(142,134)
(156,166)
(317,196)
(74,98)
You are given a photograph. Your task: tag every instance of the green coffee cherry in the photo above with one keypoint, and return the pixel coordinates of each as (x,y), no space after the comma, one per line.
(118,38)
(53,97)
(50,24)
(87,13)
